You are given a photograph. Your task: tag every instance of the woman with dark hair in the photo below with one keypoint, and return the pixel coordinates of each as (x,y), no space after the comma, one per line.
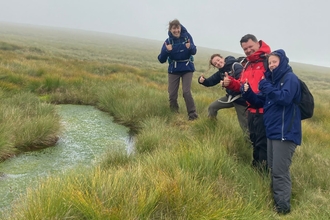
(178,50)
(234,68)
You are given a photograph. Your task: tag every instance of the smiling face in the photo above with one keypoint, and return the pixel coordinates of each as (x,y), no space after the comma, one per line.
(250,47)
(218,62)
(273,62)
(176,31)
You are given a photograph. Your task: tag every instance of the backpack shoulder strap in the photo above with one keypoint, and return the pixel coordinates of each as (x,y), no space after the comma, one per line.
(170,41)
(246,65)
(233,67)
(265,61)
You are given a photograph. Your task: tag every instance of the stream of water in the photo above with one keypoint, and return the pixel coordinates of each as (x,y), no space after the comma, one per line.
(87,134)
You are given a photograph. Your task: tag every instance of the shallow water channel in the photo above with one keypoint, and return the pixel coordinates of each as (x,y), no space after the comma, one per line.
(87,134)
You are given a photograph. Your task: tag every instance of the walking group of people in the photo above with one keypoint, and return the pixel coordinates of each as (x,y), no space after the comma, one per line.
(263,90)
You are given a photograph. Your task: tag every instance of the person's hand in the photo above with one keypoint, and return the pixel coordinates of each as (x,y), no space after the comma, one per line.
(201,78)
(226,80)
(188,44)
(246,86)
(168,46)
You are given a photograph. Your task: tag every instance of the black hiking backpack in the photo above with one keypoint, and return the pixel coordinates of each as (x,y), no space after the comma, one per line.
(306,103)
(241,60)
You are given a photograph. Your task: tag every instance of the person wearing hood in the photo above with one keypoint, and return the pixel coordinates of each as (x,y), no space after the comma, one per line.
(278,94)
(254,70)
(178,50)
(232,99)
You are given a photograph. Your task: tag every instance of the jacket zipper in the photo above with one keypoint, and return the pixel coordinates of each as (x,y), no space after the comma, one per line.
(283,123)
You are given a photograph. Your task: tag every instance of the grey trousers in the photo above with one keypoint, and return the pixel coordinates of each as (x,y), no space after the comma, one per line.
(279,158)
(173,88)
(240,112)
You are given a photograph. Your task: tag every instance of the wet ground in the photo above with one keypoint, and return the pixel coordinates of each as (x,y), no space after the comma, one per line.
(87,133)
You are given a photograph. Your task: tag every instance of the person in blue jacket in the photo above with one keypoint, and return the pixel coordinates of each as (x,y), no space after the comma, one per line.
(279,93)
(233,67)
(178,50)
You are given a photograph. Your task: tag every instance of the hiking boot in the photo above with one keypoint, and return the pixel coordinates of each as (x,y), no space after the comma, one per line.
(213,118)
(174,109)
(281,211)
(192,117)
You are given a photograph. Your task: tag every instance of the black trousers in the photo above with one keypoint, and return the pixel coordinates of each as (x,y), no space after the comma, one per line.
(258,139)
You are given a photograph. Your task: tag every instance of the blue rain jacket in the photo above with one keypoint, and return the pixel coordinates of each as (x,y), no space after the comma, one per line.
(180,59)
(279,93)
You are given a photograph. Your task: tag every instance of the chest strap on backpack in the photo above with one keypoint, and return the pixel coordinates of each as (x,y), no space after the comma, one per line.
(181,61)
(230,99)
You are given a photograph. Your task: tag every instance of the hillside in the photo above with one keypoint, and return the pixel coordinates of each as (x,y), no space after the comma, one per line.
(109,47)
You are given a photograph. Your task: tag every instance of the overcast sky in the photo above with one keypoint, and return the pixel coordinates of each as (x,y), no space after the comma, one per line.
(300,27)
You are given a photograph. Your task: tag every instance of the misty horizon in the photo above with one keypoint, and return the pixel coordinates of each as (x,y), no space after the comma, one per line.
(298,27)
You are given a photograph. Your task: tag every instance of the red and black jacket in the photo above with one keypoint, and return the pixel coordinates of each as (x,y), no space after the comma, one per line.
(253,72)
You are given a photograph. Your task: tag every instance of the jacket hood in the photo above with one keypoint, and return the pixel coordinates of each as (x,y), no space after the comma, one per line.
(259,54)
(229,60)
(282,68)
(182,34)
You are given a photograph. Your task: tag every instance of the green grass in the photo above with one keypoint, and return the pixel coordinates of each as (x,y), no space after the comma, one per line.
(180,169)
(26,124)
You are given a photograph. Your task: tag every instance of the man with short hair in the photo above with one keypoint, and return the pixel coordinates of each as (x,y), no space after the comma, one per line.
(253,72)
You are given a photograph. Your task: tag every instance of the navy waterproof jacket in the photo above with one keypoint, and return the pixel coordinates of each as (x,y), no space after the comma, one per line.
(234,69)
(279,93)
(180,58)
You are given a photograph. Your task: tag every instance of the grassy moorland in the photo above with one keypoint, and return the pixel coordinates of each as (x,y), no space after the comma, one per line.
(181,169)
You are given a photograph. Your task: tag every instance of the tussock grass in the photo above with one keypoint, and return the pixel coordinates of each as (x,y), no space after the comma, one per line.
(27,124)
(132,102)
(164,185)
(180,169)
